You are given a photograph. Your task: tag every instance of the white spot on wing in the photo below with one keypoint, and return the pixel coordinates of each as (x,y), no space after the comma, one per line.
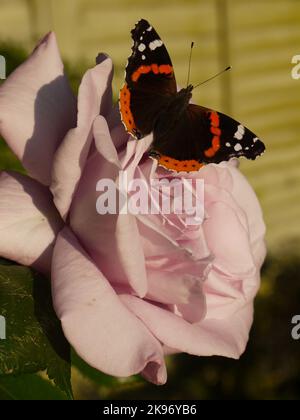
(142,47)
(155,44)
(227,144)
(238,147)
(149,29)
(239,134)
(255,139)
(143,57)
(141,38)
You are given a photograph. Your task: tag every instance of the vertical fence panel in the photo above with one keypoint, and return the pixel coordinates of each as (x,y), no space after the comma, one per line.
(39,18)
(224,51)
(264,36)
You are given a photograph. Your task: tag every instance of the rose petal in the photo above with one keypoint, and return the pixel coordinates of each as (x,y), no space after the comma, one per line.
(214,174)
(174,273)
(37,108)
(163,233)
(225,337)
(29,221)
(94,97)
(226,295)
(112,240)
(100,328)
(228,241)
(117,130)
(135,152)
(179,289)
(232,282)
(105,147)
(247,200)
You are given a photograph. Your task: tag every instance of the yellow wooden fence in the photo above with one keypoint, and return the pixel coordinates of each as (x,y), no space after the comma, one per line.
(258,38)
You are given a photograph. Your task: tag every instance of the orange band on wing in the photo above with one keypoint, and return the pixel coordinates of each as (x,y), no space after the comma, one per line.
(216,131)
(126,113)
(179,165)
(156,69)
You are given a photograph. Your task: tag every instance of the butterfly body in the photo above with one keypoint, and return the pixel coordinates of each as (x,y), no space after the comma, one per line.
(171,114)
(185,136)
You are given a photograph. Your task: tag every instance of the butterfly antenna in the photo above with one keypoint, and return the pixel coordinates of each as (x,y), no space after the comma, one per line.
(190,60)
(213,77)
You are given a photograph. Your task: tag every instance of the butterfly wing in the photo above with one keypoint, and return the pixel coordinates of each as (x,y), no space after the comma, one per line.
(149,81)
(203,136)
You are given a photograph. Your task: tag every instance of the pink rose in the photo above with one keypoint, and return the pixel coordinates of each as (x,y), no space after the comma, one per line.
(127,288)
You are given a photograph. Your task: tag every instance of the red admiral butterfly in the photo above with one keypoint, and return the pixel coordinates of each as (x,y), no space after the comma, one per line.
(185,136)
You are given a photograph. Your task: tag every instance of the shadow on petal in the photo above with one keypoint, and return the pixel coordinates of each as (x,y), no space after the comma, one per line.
(49,128)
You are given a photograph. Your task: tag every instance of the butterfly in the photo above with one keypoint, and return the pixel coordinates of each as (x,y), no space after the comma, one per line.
(185,136)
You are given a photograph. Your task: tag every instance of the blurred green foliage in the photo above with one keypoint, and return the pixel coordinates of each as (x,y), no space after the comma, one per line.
(28,387)
(14,56)
(35,341)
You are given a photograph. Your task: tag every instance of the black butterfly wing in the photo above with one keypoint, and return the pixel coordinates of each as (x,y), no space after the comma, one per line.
(149,81)
(203,136)
(227,138)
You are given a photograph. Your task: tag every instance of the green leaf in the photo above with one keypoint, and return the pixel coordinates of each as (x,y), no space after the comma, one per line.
(34,339)
(93,374)
(108,386)
(28,387)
